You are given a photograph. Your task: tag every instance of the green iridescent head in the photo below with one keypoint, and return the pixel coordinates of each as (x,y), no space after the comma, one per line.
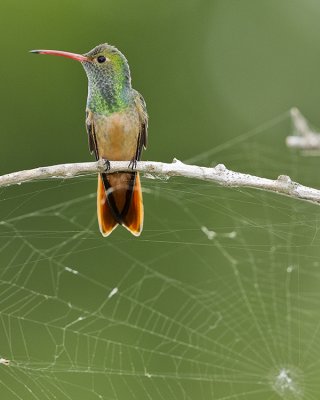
(108,75)
(109,78)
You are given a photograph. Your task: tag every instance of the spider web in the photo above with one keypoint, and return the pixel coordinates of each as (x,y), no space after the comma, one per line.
(218,299)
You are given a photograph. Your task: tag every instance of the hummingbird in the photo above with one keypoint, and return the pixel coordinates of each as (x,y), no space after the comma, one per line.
(117,128)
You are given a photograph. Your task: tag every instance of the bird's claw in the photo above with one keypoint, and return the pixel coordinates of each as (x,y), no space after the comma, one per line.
(133,164)
(106,165)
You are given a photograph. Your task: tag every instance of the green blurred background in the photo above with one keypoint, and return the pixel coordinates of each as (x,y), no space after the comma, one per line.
(172,314)
(208,69)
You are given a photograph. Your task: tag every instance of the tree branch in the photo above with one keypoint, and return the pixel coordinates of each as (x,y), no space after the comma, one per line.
(220,174)
(304,137)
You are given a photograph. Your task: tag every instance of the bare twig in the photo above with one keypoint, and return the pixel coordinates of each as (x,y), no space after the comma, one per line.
(304,137)
(220,175)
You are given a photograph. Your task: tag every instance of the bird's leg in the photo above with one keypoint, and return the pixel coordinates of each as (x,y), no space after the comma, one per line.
(106,164)
(133,163)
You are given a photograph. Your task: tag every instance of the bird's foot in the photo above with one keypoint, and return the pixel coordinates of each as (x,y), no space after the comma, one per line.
(133,164)
(106,165)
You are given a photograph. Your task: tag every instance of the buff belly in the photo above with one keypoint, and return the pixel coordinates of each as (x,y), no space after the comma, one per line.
(117,135)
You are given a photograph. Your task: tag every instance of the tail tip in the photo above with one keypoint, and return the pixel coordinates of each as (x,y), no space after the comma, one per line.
(106,233)
(134,232)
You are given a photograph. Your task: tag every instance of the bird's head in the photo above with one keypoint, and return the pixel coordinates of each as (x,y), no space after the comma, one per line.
(103,63)
(108,74)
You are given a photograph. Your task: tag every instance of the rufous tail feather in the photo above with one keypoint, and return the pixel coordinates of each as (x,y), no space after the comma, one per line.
(107,222)
(133,220)
(123,206)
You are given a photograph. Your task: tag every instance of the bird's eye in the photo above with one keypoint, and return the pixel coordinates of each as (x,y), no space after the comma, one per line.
(101,59)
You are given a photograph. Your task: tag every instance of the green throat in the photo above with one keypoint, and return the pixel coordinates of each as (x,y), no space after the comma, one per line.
(109,87)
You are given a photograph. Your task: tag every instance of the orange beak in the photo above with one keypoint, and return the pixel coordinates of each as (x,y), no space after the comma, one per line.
(73,56)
